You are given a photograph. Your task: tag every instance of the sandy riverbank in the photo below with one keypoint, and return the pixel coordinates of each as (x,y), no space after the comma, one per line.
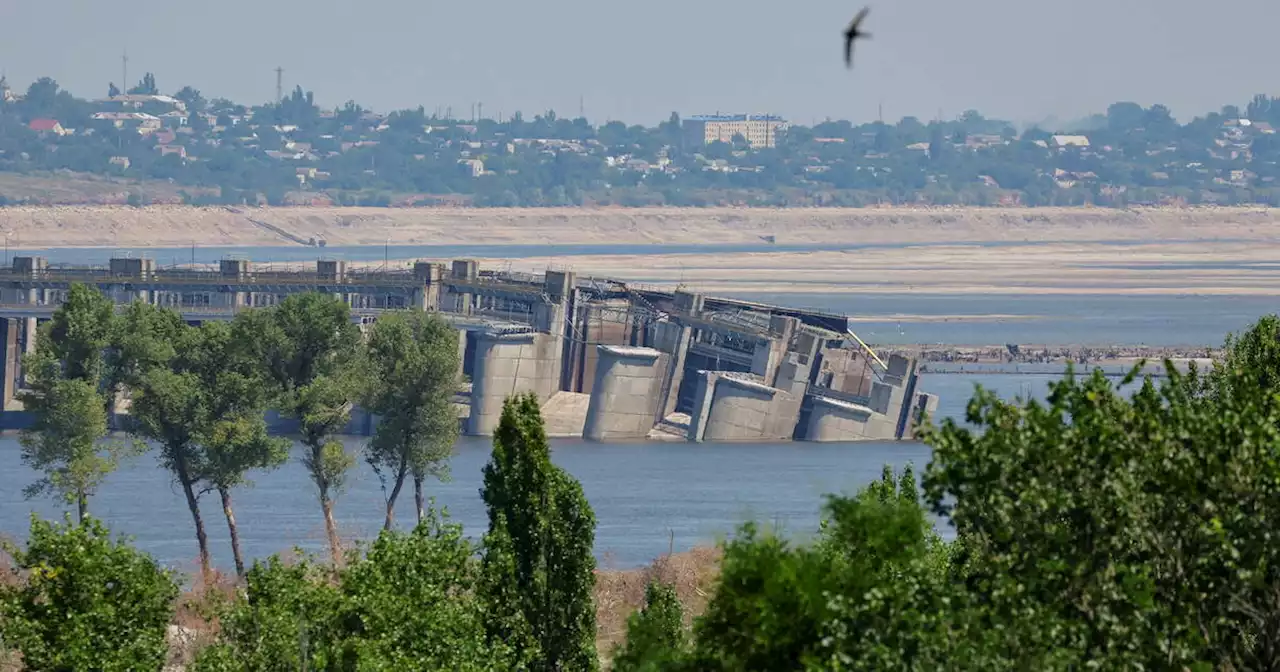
(1168,268)
(178,226)
(1212,251)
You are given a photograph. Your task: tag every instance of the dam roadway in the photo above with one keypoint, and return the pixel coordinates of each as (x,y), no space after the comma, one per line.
(609,361)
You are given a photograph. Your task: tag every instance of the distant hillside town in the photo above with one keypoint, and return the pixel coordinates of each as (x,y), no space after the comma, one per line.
(294,152)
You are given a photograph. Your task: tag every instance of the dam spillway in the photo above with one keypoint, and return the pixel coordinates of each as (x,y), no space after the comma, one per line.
(607,359)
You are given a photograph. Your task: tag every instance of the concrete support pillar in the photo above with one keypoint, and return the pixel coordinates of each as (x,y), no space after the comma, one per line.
(29,333)
(923,405)
(505,365)
(465,270)
(626,393)
(743,410)
(890,399)
(675,342)
(835,420)
(431,277)
(702,399)
(11,362)
(462,352)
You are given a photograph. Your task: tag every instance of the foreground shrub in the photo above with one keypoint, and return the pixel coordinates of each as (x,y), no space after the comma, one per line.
(858,597)
(655,633)
(85,602)
(408,605)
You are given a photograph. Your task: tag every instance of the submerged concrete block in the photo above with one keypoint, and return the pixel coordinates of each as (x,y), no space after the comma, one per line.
(625,394)
(745,410)
(506,365)
(836,420)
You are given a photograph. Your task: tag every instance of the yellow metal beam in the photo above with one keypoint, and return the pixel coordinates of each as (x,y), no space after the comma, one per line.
(867,348)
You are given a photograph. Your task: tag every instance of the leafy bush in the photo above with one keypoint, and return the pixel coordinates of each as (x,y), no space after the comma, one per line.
(408,605)
(85,602)
(655,633)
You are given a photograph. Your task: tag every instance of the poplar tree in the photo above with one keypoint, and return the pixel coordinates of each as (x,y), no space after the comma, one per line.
(66,375)
(310,350)
(414,361)
(538,562)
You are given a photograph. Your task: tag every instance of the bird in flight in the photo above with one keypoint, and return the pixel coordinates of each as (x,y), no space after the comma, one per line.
(852,33)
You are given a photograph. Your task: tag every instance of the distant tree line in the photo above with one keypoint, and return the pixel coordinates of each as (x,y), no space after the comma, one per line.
(239,154)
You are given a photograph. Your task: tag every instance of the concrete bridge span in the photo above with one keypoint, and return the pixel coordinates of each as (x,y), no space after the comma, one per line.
(608,360)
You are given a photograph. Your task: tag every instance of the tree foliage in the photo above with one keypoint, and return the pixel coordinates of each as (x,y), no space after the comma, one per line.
(67,380)
(63,443)
(1095,529)
(310,351)
(414,360)
(85,602)
(204,407)
(233,430)
(539,567)
(409,604)
(655,633)
(865,595)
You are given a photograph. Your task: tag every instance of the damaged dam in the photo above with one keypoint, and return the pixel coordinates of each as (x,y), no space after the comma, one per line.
(609,360)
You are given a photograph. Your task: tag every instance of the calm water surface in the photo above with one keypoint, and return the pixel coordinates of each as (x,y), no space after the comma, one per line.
(639,492)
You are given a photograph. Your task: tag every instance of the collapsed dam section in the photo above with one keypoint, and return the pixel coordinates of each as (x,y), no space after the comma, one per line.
(608,360)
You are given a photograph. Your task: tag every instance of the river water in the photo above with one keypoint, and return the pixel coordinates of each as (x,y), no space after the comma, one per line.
(641,493)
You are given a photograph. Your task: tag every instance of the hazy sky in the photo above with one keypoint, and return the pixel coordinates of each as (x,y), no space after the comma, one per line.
(1022,60)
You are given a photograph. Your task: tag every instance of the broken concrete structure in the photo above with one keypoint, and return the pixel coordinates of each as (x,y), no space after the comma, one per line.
(614,359)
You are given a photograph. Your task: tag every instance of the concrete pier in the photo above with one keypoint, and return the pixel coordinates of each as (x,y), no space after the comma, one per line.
(509,364)
(626,395)
(835,420)
(607,360)
(745,410)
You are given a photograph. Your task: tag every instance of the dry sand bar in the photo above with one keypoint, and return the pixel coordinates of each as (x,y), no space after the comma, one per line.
(609,361)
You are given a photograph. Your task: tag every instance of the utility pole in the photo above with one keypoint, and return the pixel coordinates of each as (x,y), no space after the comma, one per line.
(582,107)
(279,85)
(124,71)
(479,111)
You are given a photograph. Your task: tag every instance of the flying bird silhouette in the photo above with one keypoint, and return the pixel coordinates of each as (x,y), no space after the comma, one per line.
(852,33)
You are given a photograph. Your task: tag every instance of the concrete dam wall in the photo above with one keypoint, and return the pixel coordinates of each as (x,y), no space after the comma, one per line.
(609,361)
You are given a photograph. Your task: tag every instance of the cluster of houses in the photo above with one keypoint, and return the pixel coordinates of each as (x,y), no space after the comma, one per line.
(174,130)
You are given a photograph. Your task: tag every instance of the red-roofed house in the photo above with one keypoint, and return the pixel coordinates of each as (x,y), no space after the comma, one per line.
(46,126)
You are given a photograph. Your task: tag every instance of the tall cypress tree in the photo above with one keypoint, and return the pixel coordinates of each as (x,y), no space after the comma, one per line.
(539,567)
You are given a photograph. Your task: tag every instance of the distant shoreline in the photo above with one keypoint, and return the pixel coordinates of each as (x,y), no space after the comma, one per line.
(946,251)
(179,226)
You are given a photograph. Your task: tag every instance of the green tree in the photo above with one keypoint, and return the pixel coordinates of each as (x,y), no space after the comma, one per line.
(147,86)
(539,568)
(422,582)
(204,405)
(192,98)
(1131,531)
(413,358)
(410,604)
(233,430)
(78,333)
(65,379)
(655,633)
(310,349)
(289,619)
(866,595)
(87,603)
(141,339)
(64,441)
(170,407)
